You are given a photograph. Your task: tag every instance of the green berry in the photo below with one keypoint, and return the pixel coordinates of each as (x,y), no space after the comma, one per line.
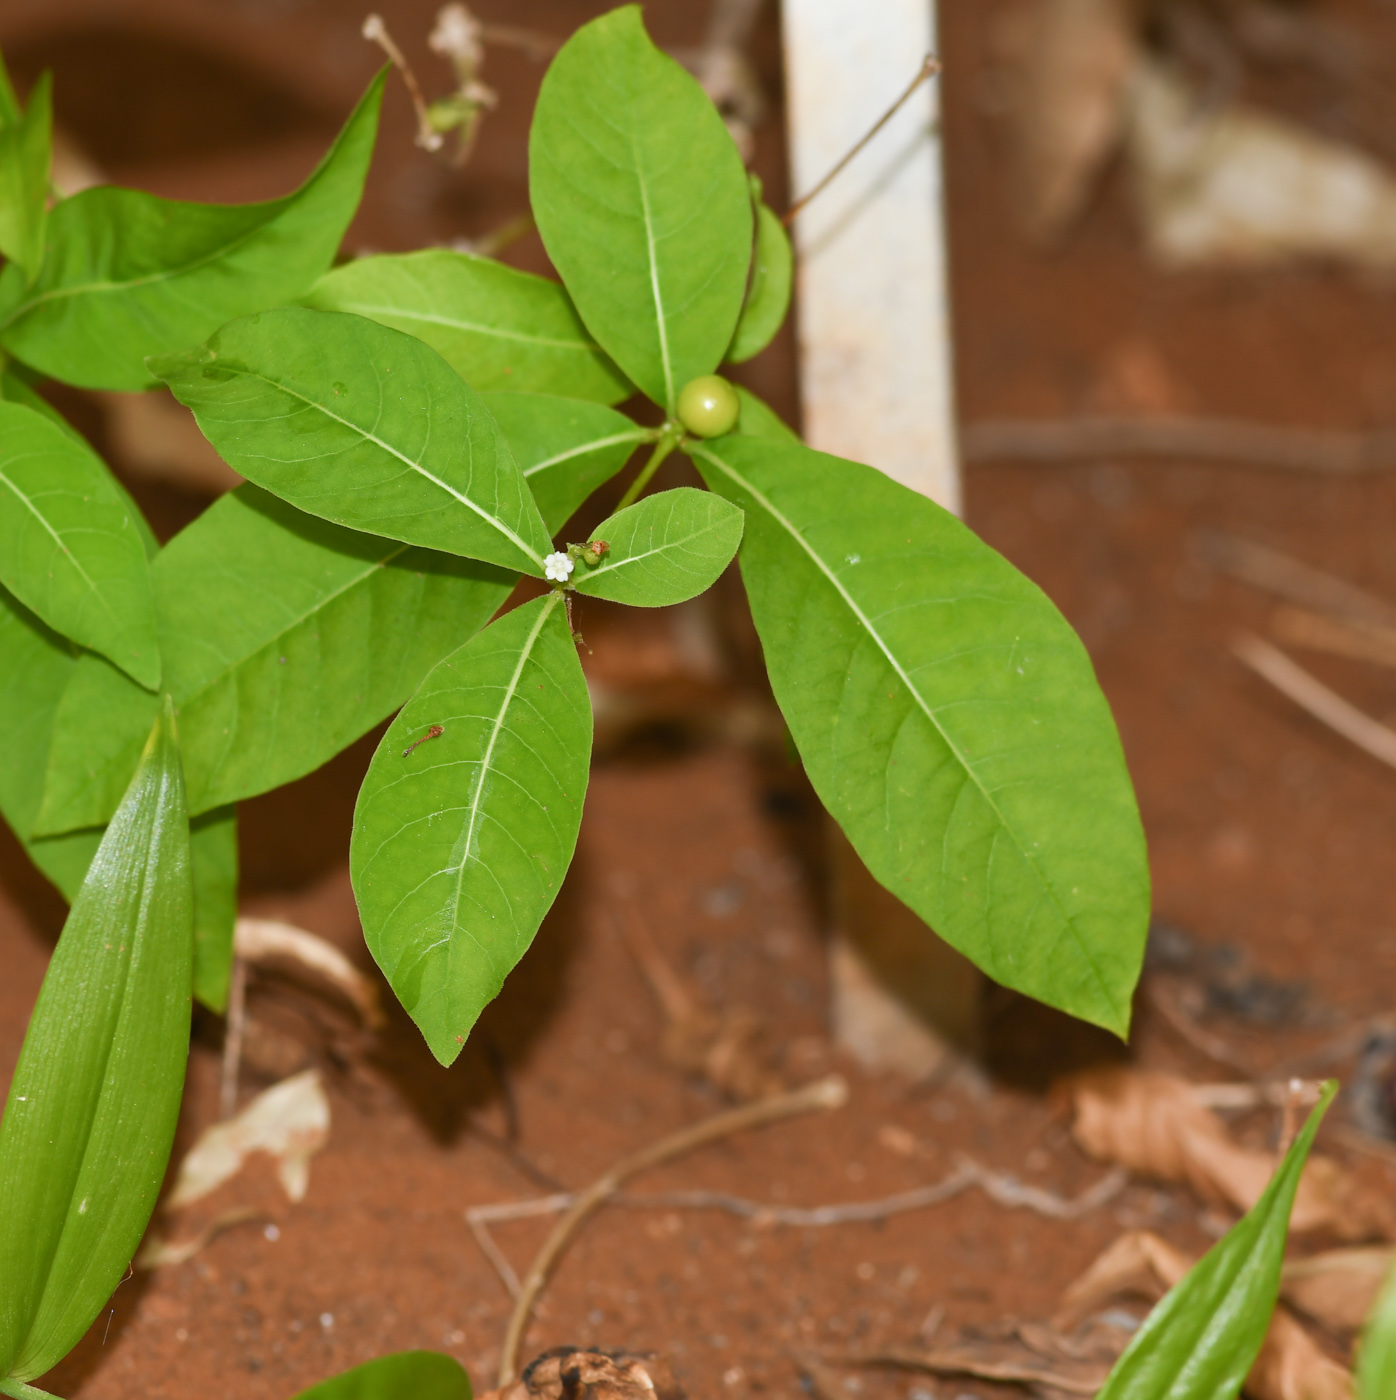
(708,406)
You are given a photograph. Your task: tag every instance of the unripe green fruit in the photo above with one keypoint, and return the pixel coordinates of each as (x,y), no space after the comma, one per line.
(708,406)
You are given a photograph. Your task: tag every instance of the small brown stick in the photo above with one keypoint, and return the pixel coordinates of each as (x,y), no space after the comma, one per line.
(669,991)
(1339,636)
(1211,439)
(374,30)
(1291,578)
(831,1092)
(234,1028)
(930,66)
(1309,693)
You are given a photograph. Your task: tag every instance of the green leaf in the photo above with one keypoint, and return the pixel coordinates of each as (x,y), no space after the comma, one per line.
(213,856)
(1376,1356)
(664,549)
(498,328)
(460,846)
(405,1375)
(286,638)
(26,149)
(364,426)
(69,547)
(564,447)
(9,104)
(642,202)
(768,295)
(759,419)
(92,1108)
(35,667)
(15,389)
(128,275)
(1200,1342)
(950,721)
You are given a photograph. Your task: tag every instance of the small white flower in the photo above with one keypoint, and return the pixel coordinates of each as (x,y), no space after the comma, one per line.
(558,567)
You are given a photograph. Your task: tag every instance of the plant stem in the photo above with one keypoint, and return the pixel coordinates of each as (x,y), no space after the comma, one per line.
(20,1391)
(668,441)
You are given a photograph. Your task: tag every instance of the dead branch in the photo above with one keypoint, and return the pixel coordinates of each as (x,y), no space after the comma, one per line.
(1362,641)
(1211,439)
(831,1092)
(1309,693)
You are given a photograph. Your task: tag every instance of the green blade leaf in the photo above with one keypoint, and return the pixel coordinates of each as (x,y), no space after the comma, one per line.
(271,682)
(498,328)
(1200,1342)
(69,547)
(213,857)
(949,719)
(35,667)
(768,295)
(91,1112)
(642,203)
(1376,1357)
(405,1375)
(364,426)
(664,549)
(9,104)
(564,447)
(460,846)
(26,149)
(758,419)
(128,275)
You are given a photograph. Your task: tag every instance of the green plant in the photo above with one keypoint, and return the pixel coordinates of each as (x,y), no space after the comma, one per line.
(415,429)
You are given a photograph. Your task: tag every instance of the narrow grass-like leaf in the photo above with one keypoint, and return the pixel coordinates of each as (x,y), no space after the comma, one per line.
(460,845)
(1376,1357)
(35,667)
(92,1108)
(128,275)
(768,295)
(664,549)
(642,202)
(69,547)
(564,447)
(362,425)
(404,1375)
(9,103)
(950,721)
(1200,1342)
(758,419)
(26,149)
(286,638)
(498,328)
(213,860)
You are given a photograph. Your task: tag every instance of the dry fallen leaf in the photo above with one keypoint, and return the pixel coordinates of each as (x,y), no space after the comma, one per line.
(1290,1365)
(1007,1359)
(1059,91)
(290,1122)
(588,1373)
(1153,1125)
(271,940)
(1338,1287)
(1237,186)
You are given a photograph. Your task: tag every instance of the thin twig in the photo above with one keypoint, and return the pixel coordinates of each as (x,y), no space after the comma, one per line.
(1291,578)
(374,30)
(831,1092)
(1339,636)
(930,66)
(1212,1046)
(1212,439)
(234,1027)
(1309,693)
(494,1254)
(1289,1119)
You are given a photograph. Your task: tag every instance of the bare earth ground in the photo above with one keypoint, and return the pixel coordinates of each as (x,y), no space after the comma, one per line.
(1267,833)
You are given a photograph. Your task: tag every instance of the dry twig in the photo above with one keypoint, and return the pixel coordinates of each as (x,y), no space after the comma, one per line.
(831,1092)
(1339,636)
(1309,693)
(1211,439)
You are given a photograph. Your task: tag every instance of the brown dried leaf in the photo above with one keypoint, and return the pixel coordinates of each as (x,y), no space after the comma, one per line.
(1338,1287)
(1062,76)
(271,940)
(1290,1365)
(1004,1359)
(1152,1124)
(577,1373)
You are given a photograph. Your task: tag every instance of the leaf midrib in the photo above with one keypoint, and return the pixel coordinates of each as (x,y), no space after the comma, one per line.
(669,544)
(374,312)
(515,539)
(966,767)
(638,436)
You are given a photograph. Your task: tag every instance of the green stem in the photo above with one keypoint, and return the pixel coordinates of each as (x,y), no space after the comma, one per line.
(666,444)
(20,1391)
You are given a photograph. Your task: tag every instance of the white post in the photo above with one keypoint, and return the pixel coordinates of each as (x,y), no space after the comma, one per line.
(876,386)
